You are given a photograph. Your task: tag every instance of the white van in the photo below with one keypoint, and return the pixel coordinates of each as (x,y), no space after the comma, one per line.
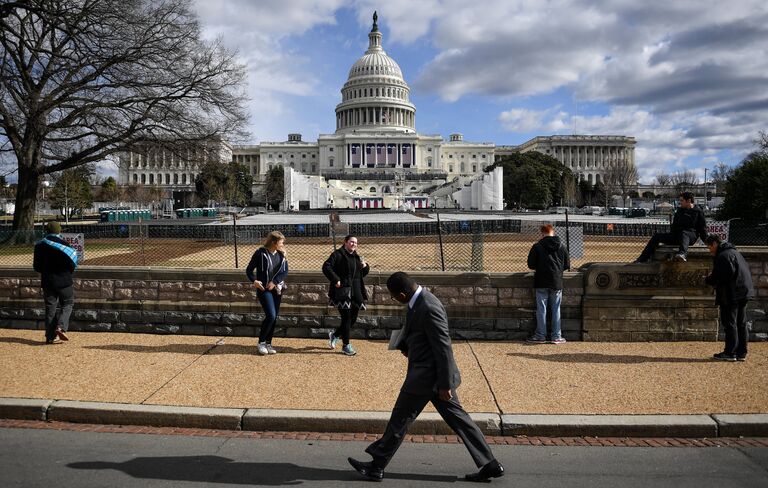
(593,210)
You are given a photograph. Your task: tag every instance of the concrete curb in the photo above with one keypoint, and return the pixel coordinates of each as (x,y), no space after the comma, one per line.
(748,425)
(154,415)
(24,408)
(428,423)
(610,425)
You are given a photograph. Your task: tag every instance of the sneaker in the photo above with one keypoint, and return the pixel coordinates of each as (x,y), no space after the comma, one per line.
(61,334)
(55,340)
(741,358)
(536,340)
(559,340)
(680,258)
(332,340)
(348,350)
(262,349)
(722,356)
(270,349)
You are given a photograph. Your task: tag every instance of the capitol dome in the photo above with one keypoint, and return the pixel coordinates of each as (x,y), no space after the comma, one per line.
(375,96)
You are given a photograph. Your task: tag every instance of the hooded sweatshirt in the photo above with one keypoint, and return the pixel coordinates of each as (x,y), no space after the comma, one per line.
(549,258)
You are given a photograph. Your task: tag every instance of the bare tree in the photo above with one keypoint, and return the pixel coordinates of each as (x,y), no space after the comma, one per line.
(684,180)
(762,141)
(720,174)
(84,79)
(621,176)
(663,180)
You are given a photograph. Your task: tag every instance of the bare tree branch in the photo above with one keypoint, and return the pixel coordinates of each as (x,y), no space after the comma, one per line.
(81,80)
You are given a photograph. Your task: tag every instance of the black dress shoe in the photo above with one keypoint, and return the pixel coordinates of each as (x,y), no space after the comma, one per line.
(367,470)
(494,469)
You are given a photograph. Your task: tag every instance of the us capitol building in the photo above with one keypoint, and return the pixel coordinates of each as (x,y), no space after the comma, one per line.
(376,158)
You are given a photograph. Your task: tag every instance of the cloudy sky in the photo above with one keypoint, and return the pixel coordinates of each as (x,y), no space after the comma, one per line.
(687,78)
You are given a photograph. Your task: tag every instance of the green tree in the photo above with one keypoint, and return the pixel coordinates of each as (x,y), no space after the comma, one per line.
(83,80)
(746,191)
(109,192)
(534,180)
(228,184)
(72,190)
(275,187)
(585,193)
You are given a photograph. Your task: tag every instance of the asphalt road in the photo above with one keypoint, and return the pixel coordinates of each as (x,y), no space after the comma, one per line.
(50,458)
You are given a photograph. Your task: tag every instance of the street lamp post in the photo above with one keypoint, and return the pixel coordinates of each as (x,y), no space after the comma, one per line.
(705,188)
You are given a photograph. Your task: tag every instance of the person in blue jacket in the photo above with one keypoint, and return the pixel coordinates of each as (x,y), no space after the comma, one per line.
(267,271)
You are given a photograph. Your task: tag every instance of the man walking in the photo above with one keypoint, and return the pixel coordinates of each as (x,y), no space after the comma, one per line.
(688,224)
(549,258)
(432,376)
(56,262)
(733,287)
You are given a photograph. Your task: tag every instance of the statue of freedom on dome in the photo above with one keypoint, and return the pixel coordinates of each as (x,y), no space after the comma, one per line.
(375,18)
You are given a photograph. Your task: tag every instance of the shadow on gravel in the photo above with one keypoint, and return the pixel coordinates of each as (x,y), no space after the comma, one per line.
(26,342)
(218,469)
(197,349)
(605,358)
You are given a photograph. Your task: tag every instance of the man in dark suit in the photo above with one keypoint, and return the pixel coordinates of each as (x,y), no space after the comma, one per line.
(432,376)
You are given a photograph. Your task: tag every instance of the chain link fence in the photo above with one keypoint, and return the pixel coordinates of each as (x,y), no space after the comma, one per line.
(499,244)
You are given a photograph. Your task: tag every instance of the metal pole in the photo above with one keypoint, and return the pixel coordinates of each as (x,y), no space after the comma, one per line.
(567,234)
(440,240)
(705,187)
(234,236)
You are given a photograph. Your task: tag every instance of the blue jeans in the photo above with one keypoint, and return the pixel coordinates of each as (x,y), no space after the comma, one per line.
(544,297)
(270,303)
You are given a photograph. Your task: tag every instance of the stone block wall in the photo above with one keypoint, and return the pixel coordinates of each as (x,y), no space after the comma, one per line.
(174,301)
(601,302)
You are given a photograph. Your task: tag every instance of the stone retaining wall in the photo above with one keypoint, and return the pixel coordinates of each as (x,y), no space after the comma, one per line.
(601,302)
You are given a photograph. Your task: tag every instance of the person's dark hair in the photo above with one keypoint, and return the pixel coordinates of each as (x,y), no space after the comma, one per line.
(713,238)
(686,195)
(348,237)
(400,282)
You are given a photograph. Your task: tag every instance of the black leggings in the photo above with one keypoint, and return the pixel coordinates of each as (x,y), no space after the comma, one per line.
(348,319)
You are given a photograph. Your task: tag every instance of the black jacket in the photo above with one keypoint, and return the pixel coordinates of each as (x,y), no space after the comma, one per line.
(348,269)
(549,258)
(431,365)
(689,220)
(730,276)
(54,266)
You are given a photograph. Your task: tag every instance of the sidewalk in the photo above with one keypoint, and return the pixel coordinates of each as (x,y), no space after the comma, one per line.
(524,389)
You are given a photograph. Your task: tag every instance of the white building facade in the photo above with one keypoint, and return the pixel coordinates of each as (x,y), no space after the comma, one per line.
(376,157)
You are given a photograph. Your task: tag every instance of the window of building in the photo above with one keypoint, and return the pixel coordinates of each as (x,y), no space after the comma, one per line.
(330,162)
(143,179)
(291,156)
(184,179)
(474,168)
(279,156)
(429,149)
(151,179)
(303,156)
(429,162)
(462,156)
(462,167)
(135,178)
(269,155)
(450,156)
(450,168)
(474,156)
(330,149)
(413,188)
(359,188)
(372,189)
(312,168)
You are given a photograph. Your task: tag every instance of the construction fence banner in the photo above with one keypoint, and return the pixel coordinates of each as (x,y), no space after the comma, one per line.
(77,242)
(719,228)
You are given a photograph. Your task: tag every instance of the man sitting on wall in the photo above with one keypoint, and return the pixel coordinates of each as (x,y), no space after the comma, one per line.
(688,224)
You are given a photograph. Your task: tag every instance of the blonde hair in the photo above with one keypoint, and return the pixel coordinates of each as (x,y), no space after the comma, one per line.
(273,238)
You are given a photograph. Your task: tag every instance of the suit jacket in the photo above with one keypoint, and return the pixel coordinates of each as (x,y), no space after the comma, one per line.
(431,365)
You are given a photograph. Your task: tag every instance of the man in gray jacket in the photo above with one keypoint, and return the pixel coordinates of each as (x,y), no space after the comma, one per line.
(432,376)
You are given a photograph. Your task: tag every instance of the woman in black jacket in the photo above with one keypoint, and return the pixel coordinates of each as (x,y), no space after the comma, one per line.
(345,270)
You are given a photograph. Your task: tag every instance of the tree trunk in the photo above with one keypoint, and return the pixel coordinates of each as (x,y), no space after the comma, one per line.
(26,198)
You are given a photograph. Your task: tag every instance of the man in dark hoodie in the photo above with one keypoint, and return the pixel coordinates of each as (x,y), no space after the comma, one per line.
(549,258)
(56,261)
(688,224)
(732,280)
